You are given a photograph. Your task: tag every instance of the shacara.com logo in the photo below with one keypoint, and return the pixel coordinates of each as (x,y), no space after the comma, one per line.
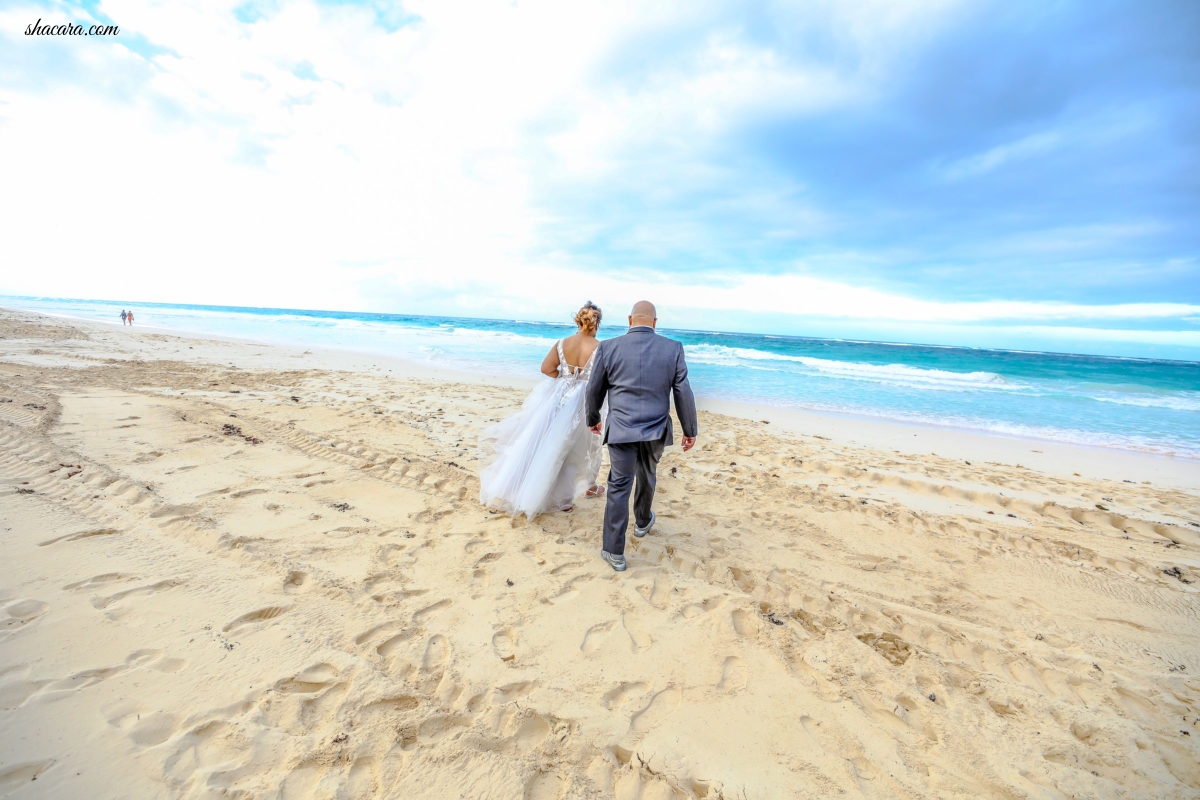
(70,29)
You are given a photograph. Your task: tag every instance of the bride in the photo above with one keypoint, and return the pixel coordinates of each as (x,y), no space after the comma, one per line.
(543,457)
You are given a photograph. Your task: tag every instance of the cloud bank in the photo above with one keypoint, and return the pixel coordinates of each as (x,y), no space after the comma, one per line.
(928,171)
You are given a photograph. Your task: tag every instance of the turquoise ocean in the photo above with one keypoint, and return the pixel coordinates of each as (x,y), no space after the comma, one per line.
(1126,403)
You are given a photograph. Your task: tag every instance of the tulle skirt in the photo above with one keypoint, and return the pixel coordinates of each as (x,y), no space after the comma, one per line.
(543,457)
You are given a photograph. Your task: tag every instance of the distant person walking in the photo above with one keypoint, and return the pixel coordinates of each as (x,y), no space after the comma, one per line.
(639,373)
(124,317)
(129,314)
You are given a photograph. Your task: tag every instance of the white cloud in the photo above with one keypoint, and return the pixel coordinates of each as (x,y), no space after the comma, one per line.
(1026,148)
(540,292)
(814,297)
(164,203)
(404,177)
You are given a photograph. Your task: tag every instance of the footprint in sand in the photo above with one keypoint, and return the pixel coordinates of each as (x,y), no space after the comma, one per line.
(693,610)
(388,713)
(570,565)
(154,728)
(481,579)
(389,646)
(733,675)
(622,694)
(15,686)
(504,645)
(595,636)
(314,679)
(570,590)
(513,691)
(99,580)
(742,579)
(658,594)
(891,647)
(638,636)
(261,615)
(207,747)
(294,580)
(532,731)
(85,678)
(391,706)
(175,513)
(26,611)
(140,658)
(661,706)
(19,775)
(123,713)
(437,655)
(170,665)
(479,539)
(439,726)
(75,537)
(301,782)
(306,700)
(745,623)
(102,603)
(545,786)
(364,779)
(420,616)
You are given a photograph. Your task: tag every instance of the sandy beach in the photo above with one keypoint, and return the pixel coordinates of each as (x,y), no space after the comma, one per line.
(238,570)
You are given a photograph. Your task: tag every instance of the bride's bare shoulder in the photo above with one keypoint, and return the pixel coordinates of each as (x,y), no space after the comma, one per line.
(579,347)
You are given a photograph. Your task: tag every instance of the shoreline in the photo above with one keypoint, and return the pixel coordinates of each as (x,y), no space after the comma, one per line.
(879,433)
(666,330)
(1097,462)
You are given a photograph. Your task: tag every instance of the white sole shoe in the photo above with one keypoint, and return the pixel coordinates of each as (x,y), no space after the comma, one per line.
(616,562)
(640,532)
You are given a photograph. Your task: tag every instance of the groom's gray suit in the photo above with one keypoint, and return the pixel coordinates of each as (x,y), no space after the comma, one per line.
(639,372)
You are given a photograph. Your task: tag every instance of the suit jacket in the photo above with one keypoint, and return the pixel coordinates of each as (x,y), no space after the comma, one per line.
(640,372)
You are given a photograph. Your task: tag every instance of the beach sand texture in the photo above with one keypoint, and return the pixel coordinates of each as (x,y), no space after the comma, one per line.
(232,570)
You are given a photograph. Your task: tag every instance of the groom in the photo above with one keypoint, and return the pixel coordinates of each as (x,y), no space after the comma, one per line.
(639,372)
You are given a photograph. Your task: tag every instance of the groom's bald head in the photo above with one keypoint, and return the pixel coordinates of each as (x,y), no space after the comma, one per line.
(643,313)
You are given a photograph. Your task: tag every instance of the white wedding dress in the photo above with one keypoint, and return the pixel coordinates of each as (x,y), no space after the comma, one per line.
(543,457)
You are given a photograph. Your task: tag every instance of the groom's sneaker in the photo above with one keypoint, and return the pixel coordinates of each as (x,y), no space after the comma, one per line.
(616,562)
(640,532)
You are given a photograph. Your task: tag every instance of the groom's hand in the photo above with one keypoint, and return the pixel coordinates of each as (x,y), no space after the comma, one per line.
(597,429)
(688,441)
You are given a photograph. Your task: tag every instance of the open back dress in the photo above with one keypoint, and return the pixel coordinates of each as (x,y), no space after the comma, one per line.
(543,457)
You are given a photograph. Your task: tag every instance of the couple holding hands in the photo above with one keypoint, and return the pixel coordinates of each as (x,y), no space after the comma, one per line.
(547,454)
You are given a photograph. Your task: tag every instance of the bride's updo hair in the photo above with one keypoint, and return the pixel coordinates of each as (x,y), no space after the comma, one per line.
(588,318)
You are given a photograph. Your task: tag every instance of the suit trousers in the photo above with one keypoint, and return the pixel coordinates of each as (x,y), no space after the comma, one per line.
(632,466)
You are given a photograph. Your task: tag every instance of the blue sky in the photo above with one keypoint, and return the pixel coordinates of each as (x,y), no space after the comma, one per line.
(990,174)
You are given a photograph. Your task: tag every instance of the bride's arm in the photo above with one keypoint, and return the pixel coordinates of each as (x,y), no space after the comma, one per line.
(550,363)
